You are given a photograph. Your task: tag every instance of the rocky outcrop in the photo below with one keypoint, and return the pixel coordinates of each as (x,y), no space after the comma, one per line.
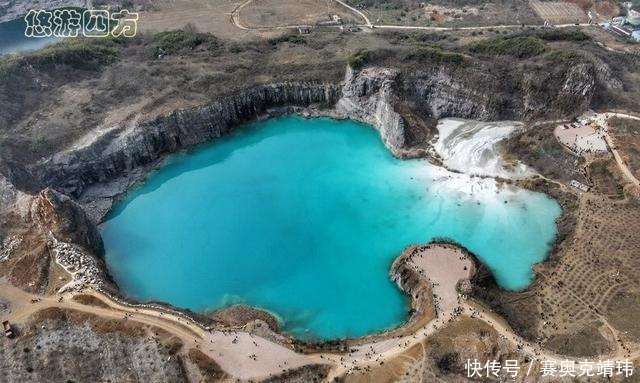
(446,95)
(503,92)
(367,96)
(59,215)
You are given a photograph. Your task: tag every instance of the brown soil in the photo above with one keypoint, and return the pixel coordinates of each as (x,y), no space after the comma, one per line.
(453,13)
(56,345)
(210,370)
(605,177)
(240,315)
(90,300)
(576,293)
(538,148)
(626,136)
(559,12)
(275,13)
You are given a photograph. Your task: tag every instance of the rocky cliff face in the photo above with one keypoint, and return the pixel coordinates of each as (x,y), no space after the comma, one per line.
(66,220)
(125,153)
(121,151)
(114,158)
(502,92)
(367,96)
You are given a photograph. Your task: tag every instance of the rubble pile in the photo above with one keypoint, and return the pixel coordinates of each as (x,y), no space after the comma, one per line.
(83,268)
(8,247)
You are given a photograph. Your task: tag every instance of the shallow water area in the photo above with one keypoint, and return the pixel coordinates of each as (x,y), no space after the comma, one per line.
(303,217)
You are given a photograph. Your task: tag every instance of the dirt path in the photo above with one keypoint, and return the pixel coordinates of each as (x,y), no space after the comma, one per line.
(602,118)
(237,21)
(509,26)
(247,356)
(352,9)
(231,350)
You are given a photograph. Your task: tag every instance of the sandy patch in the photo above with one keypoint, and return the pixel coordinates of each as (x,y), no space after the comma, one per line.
(581,139)
(444,266)
(472,147)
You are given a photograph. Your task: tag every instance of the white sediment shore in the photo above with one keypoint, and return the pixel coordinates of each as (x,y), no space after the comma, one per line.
(471,147)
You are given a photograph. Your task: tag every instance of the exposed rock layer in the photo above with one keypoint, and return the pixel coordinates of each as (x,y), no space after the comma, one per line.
(66,220)
(118,152)
(369,95)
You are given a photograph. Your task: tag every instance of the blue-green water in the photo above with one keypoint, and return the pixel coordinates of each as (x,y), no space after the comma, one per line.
(13,40)
(304,218)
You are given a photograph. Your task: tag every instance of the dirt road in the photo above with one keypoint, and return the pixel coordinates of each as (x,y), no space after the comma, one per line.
(247,356)
(602,119)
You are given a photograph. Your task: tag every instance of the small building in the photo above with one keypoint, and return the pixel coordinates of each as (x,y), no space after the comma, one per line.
(350,28)
(8,330)
(579,185)
(628,26)
(336,19)
(304,29)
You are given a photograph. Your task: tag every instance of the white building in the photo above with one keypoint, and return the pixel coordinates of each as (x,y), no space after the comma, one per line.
(579,185)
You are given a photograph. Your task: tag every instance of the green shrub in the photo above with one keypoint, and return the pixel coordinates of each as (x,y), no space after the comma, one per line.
(359,58)
(562,35)
(8,66)
(76,53)
(288,38)
(178,40)
(563,56)
(433,54)
(517,46)
(419,37)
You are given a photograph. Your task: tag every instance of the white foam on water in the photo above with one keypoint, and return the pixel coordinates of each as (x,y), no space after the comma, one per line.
(470,188)
(471,147)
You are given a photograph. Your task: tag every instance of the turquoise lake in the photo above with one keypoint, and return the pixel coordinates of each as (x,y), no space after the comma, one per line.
(303,217)
(13,40)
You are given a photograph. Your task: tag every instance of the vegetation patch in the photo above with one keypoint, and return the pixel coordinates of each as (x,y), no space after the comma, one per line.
(562,56)
(210,370)
(562,35)
(175,41)
(288,38)
(78,53)
(516,46)
(359,58)
(419,37)
(433,54)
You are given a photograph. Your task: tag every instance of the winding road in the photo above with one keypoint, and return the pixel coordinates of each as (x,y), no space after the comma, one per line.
(244,355)
(236,21)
